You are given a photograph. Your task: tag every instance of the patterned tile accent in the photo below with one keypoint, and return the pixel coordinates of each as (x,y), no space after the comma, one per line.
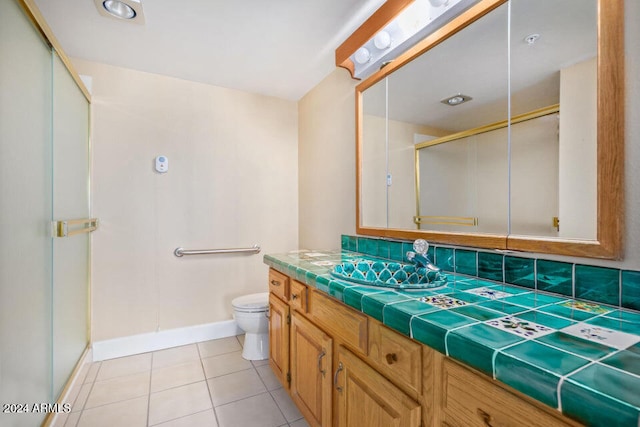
(489,293)
(520,327)
(443,301)
(589,307)
(609,337)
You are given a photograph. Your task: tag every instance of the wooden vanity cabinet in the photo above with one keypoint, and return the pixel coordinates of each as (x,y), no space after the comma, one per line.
(345,369)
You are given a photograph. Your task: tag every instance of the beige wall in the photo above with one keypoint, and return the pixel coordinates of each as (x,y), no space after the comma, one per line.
(578,151)
(327,162)
(232,182)
(337,118)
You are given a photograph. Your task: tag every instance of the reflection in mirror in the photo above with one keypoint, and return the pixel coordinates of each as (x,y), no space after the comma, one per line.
(463,179)
(373,194)
(554,159)
(565,153)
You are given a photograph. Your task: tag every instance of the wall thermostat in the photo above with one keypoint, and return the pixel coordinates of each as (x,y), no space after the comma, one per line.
(162,164)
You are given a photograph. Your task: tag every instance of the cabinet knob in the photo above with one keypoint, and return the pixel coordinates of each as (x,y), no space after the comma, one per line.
(391,357)
(275,283)
(486,417)
(294,296)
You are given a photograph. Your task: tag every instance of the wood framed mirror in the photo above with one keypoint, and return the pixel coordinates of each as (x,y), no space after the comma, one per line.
(609,193)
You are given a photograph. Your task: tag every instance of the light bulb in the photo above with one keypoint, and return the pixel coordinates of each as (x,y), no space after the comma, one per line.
(362,55)
(382,40)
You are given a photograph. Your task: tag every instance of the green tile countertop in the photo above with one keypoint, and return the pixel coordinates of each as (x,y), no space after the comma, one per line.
(580,357)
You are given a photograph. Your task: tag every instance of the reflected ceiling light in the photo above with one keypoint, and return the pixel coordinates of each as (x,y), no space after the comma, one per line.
(532,38)
(126,10)
(415,22)
(456,100)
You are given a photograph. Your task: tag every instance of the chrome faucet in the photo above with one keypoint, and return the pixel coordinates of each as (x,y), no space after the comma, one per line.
(420,257)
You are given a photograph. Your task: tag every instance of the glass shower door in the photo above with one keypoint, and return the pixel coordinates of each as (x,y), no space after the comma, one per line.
(44,177)
(25,216)
(70,202)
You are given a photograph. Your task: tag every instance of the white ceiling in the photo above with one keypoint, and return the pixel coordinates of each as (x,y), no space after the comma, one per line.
(474,62)
(280,48)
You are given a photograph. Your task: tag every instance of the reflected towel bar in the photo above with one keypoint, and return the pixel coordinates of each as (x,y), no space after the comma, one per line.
(446,220)
(181,251)
(61,228)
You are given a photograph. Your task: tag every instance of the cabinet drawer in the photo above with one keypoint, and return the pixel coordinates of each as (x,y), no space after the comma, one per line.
(298,293)
(338,320)
(469,400)
(396,357)
(279,284)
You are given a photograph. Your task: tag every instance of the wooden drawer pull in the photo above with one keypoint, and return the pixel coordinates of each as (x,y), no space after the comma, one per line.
(274,283)
(294,296)
(391,357)
(485,417)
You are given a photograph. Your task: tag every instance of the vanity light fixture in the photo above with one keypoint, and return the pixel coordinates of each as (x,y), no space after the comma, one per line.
(124,10)
(415,22)
(456,100)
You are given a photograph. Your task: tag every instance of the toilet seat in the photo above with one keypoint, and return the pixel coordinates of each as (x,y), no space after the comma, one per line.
(252,303)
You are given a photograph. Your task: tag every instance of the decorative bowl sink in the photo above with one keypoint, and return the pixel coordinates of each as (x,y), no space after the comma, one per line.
(388,274)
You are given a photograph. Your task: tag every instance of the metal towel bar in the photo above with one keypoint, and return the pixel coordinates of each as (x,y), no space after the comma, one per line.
(63,228)
(181,251)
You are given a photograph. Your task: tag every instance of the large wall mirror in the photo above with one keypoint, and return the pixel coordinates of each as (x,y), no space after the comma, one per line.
(503,129)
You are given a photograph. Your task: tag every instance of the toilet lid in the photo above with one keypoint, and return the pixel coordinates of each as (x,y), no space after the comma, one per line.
(252,302)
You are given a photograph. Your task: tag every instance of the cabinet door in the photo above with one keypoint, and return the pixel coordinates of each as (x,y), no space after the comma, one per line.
(311,357)
(279,339)
(367,399)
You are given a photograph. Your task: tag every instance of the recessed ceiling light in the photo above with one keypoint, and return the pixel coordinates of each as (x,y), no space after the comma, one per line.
(125,10)
(119,9)
(456,100)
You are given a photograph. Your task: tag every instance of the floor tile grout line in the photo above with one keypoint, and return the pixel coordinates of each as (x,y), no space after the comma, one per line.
(284,417)
(149,394)
(206,380)
(93,383)
(183,416)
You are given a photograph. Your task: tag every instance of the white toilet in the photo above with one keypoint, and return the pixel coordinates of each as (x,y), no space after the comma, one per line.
(250,312)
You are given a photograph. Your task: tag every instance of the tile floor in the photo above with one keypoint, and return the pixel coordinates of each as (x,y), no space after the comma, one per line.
(200,385)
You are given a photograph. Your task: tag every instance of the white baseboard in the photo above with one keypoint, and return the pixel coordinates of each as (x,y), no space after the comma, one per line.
(143,343)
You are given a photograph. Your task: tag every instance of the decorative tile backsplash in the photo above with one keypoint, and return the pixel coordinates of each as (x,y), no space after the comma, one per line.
(585,282)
